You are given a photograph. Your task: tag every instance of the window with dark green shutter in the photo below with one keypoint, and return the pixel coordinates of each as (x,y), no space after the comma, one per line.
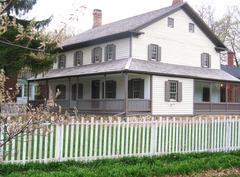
(154,52)
(97,55)
(61,61)
(78,58)
(173,91)
(136,88)
(110,52)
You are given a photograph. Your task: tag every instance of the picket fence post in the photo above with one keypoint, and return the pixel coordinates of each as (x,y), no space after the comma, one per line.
(59,141)
(153,137)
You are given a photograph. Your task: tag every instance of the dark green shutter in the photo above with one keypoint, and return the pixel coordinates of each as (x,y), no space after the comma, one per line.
(179,94)
(141,88)
(93,57)
(130,89)
(106,53)
(209,61)
(114,89)
(74,92)
(80,91)
(81,58)
(100,60)
(167,95)
(202,60)
(114,52)
(159,54)
(75,59)
(149,51)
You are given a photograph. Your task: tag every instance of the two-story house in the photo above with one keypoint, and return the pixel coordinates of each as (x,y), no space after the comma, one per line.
(164,62)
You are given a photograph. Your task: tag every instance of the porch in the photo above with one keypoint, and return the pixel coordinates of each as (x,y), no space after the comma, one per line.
(216,97)
(120,93)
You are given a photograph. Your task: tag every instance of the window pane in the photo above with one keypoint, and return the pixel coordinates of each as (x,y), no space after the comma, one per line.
(78,58)
(137,88)
(191,27)
(110,89)
(61,92)
(173,90)
(154,52)
(97,54)
(61,61)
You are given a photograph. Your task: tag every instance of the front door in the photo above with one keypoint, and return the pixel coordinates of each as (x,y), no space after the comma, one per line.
(95,93)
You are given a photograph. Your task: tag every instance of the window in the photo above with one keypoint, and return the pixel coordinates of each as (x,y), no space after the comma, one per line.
(97,55)
(136,88)
(110,89)
(173,91)
(80,91)
(205,60)
(191,27)
(62,61)
(154,52)
(95,89)
(170,22)
(206,94)
(19,91)
(78,58)
(110,52)
(60,91)
(74,92)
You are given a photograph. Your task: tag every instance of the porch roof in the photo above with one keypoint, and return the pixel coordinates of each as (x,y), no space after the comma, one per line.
(139,66)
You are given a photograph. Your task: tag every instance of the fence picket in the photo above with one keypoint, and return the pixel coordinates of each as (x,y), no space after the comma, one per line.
(92,140)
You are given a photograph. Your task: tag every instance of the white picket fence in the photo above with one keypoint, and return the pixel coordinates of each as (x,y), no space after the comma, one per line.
(91,140)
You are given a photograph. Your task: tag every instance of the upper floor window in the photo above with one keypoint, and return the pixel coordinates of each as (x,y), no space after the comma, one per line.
(78,58)
(154,52)
(173,91)
(62,61)
(61,91)
(191,27)
(205,60)
(110,52)
(97,55)
(170,22)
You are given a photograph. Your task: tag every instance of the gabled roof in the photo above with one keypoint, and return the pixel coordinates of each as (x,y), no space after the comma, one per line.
(140,66)
(132,26)
(233,70)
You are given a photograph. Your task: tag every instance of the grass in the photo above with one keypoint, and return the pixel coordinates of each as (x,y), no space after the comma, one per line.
(175,164)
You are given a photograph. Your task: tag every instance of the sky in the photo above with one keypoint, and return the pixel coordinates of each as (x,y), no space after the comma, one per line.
(77,14)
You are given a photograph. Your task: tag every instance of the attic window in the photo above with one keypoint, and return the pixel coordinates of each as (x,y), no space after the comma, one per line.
(170,22)
(191,27)
(154,52)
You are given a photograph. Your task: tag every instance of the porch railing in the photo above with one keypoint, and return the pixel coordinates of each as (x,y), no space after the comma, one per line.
(231,108)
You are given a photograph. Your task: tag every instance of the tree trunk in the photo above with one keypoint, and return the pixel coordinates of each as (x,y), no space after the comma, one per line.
(11,90)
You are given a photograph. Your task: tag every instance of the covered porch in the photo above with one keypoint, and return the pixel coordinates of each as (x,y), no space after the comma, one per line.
(113,93)
(211,97)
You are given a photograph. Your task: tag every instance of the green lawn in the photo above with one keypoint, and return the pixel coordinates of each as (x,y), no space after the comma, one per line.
(128,167)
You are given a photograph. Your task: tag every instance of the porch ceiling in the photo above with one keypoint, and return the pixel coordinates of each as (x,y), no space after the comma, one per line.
(140,66)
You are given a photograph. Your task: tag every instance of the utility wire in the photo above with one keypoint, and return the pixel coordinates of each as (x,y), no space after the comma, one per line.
(20,46)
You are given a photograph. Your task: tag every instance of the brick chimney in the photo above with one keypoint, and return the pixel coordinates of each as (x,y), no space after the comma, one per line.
(176,2)
(230,56)
(97,18)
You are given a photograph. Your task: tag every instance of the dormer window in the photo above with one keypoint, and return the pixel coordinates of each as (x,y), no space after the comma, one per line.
(191,27)
(170,22)
(61,61)
(97,55)
(78,58)
(154,52)
(205,60)
(110,52)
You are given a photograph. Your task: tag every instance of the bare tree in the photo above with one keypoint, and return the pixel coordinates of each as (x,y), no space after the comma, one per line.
(227,27)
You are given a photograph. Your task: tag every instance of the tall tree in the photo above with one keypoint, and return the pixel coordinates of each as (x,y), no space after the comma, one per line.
(227,27)
(23,43)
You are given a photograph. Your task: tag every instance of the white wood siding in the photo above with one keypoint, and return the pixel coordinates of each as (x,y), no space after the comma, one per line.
(122,51)
(179,46)
(160,107)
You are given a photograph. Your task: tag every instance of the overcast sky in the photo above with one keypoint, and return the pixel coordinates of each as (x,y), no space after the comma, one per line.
(112,10)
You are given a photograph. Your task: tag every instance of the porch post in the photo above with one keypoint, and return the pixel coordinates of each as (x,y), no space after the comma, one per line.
(151,93)
(104,93)
(69,94)
(28,89)
(126,93)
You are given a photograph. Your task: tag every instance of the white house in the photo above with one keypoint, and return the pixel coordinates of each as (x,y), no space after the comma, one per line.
(164,62)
